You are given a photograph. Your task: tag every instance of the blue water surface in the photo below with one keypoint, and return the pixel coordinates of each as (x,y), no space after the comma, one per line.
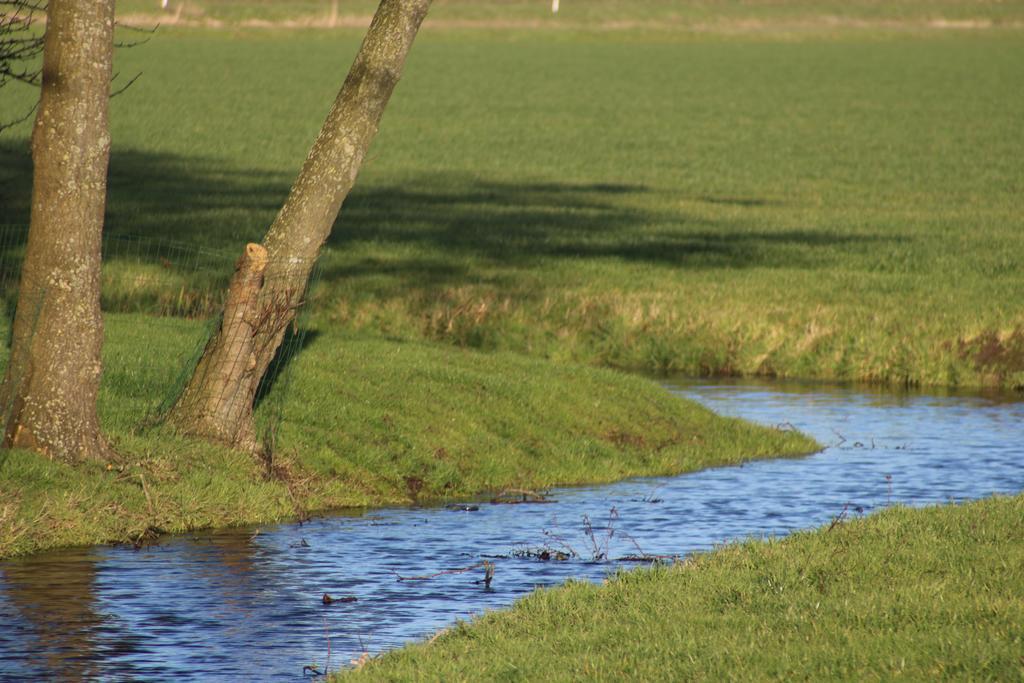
(246,604)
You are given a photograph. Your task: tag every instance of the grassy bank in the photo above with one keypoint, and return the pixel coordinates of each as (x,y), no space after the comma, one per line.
(918,593)
(365,422)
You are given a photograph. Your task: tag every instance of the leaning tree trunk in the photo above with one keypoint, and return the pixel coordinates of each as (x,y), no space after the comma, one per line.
(52,379)
(217,403)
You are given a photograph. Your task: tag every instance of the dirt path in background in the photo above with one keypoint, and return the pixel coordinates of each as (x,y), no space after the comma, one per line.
(724,26)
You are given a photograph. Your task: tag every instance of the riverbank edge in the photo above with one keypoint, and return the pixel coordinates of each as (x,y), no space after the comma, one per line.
(905,591)
(415,424)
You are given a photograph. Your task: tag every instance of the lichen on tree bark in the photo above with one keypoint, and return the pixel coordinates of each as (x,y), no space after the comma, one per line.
(52,378)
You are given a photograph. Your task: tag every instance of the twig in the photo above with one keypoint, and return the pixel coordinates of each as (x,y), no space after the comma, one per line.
(327,634)
(648,558)
(544,554)
(133,43)
(652,497)
(149,499)
(644,556)
(597,554)
(427,577)
(521,492)
(361,661)
(126,85)
(838,518)
(488,573)
(562,542)
(524,496)
(138,29)
(10,124)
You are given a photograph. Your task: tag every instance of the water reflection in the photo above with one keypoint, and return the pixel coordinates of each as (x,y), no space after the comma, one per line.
(245,604)
(51,604)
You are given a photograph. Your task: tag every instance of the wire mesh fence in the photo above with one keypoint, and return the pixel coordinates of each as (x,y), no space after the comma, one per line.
(11,254)
(163,305)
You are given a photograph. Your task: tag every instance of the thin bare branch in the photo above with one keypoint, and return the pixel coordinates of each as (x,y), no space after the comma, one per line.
(21,47)
(28,114)
(138,29)
(126,85)
(427,577)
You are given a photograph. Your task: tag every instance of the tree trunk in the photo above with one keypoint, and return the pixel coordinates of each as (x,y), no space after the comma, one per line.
(294,240)
(212,404)
(52,379)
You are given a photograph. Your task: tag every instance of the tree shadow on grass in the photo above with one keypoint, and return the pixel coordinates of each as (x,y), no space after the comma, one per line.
(437,230)
(296,340)
(177,200)
(176,225)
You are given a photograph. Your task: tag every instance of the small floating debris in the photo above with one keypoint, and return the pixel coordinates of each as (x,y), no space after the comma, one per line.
(655,559)
(463,507)
(302,543)
(327,599)
(488,573)
(542,554)
(519,497)
(149,536)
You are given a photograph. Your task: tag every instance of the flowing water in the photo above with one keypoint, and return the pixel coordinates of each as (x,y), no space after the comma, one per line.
(247,604)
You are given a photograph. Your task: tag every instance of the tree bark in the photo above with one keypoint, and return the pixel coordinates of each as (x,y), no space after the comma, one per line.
(52,379)
(294,240)
(213,405)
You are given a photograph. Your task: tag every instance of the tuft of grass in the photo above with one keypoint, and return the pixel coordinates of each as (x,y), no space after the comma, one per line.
(364,422)
(916,593)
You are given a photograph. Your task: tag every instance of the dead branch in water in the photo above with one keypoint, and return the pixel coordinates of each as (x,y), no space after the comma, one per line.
(488,573)
(519,497)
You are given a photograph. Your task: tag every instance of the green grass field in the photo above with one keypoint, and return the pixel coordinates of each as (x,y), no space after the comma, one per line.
(927,594)
(842,205)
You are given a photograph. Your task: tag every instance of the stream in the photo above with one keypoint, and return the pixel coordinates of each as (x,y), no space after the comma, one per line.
(246,604)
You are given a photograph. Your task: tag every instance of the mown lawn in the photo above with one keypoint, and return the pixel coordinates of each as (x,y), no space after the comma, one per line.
(921,594)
